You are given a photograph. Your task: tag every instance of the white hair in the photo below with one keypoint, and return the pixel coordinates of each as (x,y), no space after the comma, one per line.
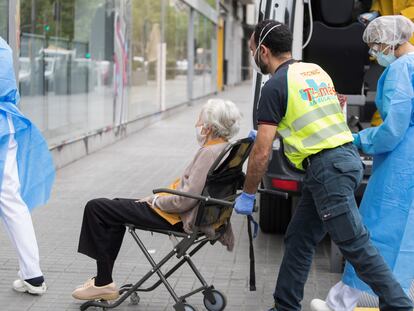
(222,116)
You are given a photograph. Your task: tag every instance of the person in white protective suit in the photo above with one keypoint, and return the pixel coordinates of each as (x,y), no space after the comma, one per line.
(26,177)
(387,207)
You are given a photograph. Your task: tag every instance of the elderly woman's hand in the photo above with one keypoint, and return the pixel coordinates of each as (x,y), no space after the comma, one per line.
(147,199)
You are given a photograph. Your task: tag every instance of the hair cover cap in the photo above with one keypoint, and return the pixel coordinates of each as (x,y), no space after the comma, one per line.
(390,29)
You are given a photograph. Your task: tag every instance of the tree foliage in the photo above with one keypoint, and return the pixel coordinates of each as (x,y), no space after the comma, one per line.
(58,18)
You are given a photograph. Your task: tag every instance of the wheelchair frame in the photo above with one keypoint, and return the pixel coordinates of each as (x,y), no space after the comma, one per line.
(180,250)
(213,299)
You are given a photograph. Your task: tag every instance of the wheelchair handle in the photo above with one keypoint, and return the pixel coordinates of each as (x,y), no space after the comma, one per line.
(284,195)
(193,196)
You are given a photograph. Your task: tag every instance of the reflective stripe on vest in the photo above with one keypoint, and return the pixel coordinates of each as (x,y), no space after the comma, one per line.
(314,120)
(325,133)
(290,149)
(285,132)
(316,114)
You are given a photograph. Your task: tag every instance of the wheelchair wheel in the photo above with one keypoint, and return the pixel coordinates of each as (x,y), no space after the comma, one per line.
(220,301)
(134,298)
(188,307)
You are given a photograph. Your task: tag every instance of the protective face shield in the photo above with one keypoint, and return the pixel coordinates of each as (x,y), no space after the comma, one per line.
(384,59)
(390,30)
(261,68)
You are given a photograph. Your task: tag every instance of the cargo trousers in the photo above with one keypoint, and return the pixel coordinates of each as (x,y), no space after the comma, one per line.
(328,206)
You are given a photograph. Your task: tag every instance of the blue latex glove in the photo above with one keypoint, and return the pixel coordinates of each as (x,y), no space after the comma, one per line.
(252,134)
(357,140)
(245,203)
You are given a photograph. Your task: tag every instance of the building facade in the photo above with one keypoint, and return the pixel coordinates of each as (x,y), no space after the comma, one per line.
(91,68)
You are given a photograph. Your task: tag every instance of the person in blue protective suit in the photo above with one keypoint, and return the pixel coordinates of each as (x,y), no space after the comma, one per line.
(387,207)
(26,177)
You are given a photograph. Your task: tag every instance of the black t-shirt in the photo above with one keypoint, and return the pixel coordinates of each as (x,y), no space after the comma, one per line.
(274,96)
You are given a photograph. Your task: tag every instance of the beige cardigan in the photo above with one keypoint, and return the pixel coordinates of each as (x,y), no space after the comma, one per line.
(175,208)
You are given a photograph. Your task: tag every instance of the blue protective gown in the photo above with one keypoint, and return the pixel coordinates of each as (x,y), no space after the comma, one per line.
(35,165)
(387,207)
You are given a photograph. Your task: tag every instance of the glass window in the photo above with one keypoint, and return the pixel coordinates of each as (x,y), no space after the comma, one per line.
(176,32)
(146,43)
(85,65)
(205,56)
(4,14)
(66,66)
(211,3)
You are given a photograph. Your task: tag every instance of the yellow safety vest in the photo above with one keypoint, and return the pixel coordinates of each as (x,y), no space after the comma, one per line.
(314,120)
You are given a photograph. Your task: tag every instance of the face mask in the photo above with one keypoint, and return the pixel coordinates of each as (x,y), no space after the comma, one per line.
(201,138)
(256,66)
(385,60)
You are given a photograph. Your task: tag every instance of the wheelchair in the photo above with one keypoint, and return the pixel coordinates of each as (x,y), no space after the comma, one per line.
(224,178)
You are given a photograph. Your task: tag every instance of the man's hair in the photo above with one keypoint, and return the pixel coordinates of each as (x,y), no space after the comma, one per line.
(279,40)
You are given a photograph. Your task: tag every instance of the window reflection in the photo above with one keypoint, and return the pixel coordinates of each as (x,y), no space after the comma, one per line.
(205,37)
(176,27)
(146,40)
(159,64)
(86,65)
(66,65)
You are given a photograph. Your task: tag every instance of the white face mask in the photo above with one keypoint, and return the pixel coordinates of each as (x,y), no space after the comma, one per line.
(254,64)
(386,59)
(201,138)
(261,39)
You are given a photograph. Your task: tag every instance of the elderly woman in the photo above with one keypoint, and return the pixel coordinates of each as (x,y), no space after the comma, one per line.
(387,208)
(103,221)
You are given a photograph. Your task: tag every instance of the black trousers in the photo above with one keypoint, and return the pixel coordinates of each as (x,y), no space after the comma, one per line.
(103,226)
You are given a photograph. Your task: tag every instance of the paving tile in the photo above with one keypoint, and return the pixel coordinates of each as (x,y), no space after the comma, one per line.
(132,167)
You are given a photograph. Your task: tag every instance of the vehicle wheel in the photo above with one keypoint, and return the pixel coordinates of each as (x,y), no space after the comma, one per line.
(275,213)
(188,307)
(134,298)
(220,301)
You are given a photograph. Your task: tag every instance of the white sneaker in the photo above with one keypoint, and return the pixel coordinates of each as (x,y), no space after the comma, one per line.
(22,286)
(319,305)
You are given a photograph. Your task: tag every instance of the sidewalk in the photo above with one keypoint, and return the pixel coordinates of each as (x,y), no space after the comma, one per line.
(132,168)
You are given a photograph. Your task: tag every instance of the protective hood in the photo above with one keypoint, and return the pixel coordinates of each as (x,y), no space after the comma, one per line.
(8,87)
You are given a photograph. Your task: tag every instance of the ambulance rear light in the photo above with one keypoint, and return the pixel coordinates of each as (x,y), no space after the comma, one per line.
(287,185)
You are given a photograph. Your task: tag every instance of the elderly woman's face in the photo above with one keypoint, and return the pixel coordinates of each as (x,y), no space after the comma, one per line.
(200,123)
